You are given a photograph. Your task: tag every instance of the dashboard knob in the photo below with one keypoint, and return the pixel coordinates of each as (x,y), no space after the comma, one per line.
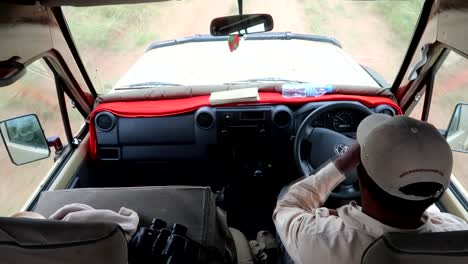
(262,132)
(258,173)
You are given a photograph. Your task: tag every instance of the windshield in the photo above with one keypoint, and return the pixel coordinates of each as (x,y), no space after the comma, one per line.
(119,44)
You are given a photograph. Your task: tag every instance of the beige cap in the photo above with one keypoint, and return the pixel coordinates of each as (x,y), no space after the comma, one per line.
(399,151)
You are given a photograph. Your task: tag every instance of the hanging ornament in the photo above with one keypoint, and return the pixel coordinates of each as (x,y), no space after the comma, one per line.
(233,42)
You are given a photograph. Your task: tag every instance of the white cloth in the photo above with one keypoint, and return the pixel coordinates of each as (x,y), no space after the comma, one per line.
(314,234)
(126,218)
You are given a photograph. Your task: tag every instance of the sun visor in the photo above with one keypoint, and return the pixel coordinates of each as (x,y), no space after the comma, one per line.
(453,18)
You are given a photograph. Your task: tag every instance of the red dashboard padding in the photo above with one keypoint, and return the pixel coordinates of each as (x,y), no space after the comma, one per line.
(170,107)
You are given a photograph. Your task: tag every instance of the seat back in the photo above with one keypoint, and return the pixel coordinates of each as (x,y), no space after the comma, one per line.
(429,248)
(34,241)
(191,206)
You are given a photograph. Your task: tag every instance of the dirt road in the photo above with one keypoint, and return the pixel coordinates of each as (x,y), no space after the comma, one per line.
(176,21)
(358,29)
(287,15)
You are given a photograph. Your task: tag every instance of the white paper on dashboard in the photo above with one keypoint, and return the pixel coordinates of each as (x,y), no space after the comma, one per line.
(234,96)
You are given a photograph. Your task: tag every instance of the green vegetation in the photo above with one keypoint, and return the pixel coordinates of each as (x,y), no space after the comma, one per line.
(117,30)
(316,20)
(142,38)
(106,27)
(401,17)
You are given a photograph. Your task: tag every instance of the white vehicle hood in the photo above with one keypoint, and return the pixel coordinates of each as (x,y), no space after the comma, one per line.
(208,63)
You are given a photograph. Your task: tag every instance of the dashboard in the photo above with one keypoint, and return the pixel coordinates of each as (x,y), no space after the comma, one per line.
(343,121)
(262,130)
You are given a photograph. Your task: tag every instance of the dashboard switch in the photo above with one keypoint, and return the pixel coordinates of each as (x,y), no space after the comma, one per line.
(262,132)
(225,133)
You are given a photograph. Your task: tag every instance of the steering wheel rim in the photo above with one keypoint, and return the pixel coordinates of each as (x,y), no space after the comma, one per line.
(345,190)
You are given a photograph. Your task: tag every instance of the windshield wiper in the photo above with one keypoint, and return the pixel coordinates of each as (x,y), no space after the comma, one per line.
(266,79)
(147,85)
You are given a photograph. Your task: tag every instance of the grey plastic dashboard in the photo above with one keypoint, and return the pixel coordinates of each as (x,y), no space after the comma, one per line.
(188,136)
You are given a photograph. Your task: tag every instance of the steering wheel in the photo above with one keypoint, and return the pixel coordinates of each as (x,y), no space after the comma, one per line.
(325,145)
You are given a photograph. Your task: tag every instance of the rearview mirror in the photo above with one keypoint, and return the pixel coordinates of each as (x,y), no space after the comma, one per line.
(457,132)
(24,139)
(241,24)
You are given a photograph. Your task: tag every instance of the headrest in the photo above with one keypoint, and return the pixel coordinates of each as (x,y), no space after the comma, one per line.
(34,241)
(429,248)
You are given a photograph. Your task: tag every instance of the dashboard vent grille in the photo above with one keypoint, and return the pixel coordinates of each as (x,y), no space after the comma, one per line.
(282,118)
(105,121)
(205,120)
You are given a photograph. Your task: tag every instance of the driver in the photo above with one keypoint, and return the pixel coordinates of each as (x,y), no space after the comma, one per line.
(404,166)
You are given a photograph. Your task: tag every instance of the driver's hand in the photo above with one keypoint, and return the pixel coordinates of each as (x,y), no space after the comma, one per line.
(349,160)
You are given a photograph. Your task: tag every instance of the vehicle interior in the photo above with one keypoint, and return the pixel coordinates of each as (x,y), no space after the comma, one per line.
(167,151)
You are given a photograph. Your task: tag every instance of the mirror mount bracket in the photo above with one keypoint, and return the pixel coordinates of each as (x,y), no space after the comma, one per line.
(240,5)
(56,143)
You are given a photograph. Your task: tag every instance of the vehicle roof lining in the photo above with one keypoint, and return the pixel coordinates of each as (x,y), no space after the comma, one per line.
(89,2)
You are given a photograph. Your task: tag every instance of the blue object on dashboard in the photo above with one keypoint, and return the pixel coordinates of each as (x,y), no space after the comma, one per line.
(305,89)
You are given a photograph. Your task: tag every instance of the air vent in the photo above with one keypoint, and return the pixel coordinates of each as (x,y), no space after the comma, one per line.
(385,109)
(109,153)
(282,116)
(205,118)
(105,121)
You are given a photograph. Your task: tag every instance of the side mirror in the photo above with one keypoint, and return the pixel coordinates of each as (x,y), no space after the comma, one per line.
(457,132)
(241,24)
(24,139)
(11,71)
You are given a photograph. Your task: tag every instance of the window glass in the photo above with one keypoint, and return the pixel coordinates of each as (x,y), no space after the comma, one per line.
(112,40)
(451,88)
(34,93)
(27,135)
(76,118)
(418,109)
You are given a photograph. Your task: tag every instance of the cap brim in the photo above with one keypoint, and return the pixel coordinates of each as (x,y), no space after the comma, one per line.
(368,124)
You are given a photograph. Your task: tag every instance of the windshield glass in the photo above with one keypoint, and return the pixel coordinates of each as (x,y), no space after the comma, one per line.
(119,44)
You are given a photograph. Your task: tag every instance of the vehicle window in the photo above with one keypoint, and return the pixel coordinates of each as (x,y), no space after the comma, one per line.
(76,118)
(112,40)
(450,89)
(34,93)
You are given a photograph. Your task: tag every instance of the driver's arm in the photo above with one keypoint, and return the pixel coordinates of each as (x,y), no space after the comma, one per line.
(298,220)
(296,212)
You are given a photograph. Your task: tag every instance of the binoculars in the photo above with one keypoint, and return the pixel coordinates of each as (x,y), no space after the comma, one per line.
(162,244)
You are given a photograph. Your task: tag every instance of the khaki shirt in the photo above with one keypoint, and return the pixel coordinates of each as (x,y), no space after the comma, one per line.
(314,234)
